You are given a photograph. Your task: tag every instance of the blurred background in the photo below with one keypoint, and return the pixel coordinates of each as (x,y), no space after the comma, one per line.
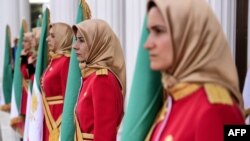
(126,18)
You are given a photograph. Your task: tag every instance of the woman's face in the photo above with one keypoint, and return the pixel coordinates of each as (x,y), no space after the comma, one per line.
(26,43)
(158,43)
(81,47)
(51,40)
(34,43)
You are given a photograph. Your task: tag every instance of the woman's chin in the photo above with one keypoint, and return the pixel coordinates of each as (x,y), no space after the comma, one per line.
(79,59)
(51,48)
(156,67)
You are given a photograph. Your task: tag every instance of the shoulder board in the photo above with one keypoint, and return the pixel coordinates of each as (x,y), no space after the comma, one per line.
(217,94)
(102,72)
(67,54)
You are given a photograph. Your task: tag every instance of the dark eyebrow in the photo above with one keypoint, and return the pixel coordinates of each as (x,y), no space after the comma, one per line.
(158,27)
(79,37)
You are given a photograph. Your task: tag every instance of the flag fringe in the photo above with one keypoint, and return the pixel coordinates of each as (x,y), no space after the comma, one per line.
(16,120)
(5,108)
(17,124)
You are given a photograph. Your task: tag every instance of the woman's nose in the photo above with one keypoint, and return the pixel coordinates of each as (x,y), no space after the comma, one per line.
(148,44)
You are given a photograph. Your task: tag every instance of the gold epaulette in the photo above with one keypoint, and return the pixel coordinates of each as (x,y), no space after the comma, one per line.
(102,72)
(67,54)
(217,94)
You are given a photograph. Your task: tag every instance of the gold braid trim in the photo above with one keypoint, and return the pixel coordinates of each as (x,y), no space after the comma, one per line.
(86,10)
(57,55)
(102,72)
(79,135)
(52,125)
(217,94)
(87,136)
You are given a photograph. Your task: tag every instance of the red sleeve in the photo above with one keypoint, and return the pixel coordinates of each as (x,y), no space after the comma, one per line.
(211,125)
(107,102)
(64,74)
(24,97)
(24,71)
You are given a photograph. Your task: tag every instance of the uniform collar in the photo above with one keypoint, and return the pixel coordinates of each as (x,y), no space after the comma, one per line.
(87,71)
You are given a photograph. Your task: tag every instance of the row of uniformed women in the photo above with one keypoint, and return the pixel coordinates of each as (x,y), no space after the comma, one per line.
(99,108)
(27,68)
(28,62)
(186,43)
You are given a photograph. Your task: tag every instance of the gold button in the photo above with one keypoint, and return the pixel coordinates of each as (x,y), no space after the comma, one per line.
(169,138)
(84,94)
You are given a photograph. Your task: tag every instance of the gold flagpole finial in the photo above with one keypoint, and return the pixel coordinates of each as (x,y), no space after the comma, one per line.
(86,9)
(25,25)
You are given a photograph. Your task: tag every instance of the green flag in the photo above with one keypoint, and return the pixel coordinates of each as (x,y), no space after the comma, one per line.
(73,84)
(16,95)
(35,131)
(7,67)
(17,72)
(17,80)
(42,57)
(145,97)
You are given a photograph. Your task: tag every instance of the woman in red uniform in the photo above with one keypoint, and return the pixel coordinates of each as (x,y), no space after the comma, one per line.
(25,54)
(99,108)
(187,44)
(30,69)
(54,78)
(29,53)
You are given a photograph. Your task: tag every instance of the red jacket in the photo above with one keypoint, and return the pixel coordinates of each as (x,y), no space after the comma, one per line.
(99,109)
(54,82)
(24,70)
(25,82)
(197,116)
